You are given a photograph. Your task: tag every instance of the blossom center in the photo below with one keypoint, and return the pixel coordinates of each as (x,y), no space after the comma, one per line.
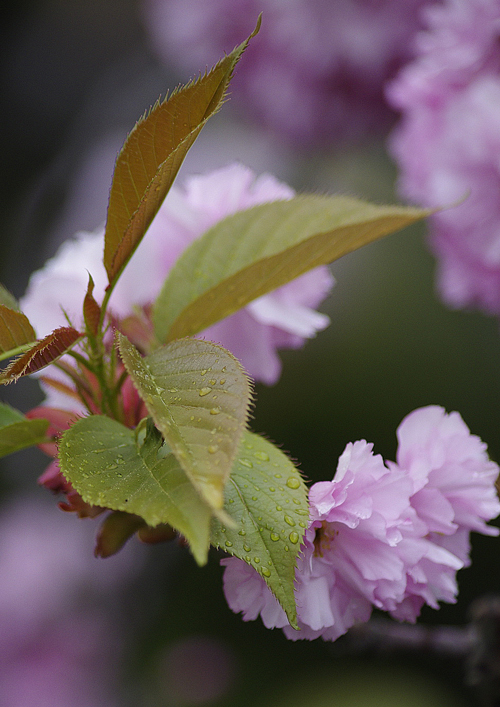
(324,538)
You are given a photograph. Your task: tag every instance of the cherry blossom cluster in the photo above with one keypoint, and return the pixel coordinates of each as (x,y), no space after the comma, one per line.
(447,145)
(385,535)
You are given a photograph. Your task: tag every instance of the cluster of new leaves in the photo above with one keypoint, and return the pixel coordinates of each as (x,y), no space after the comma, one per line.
(190,465)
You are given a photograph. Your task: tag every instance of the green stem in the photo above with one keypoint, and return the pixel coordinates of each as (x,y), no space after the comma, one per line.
(82,361)
(84,391)
(104,306)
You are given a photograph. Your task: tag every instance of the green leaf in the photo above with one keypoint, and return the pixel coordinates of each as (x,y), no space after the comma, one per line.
(109,466)
(198,395)
(152,155)
(16,432)
(253,252)
(15,331)
(268,497)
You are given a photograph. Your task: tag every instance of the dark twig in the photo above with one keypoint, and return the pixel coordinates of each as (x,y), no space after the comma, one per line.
(477,644)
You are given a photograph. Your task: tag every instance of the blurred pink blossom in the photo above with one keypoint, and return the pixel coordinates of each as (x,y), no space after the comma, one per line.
(314,73)
(391,536)
(447,145)
(55,649)
(281,319)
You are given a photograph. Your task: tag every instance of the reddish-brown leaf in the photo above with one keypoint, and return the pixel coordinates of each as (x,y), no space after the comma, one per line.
(45,352)
(114,532)
(91,310)
(152,155)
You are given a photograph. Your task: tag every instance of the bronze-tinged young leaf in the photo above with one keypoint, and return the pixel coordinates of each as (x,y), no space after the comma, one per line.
(16,432)
(114,532)
(152,155)
(45,352)
(15,329)
(112,467)
(7,299)
(198,395)
(91,309)
(267,496)
(253,252)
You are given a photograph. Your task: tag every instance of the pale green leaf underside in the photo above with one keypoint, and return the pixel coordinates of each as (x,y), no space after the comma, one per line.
(268,498)
(17,432)
(108,467)
(198,396)
(257,250)
(152,155)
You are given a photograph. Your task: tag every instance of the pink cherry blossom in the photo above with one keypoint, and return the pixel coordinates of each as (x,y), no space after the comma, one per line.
(281,319)
(386,535)
(453,478)
(447,145)
(453,493)
(313,74)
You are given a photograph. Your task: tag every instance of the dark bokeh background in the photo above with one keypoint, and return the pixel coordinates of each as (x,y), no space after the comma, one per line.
(75,75)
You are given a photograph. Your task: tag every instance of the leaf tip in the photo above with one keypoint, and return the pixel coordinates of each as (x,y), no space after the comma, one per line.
(257,27)
(200,553)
